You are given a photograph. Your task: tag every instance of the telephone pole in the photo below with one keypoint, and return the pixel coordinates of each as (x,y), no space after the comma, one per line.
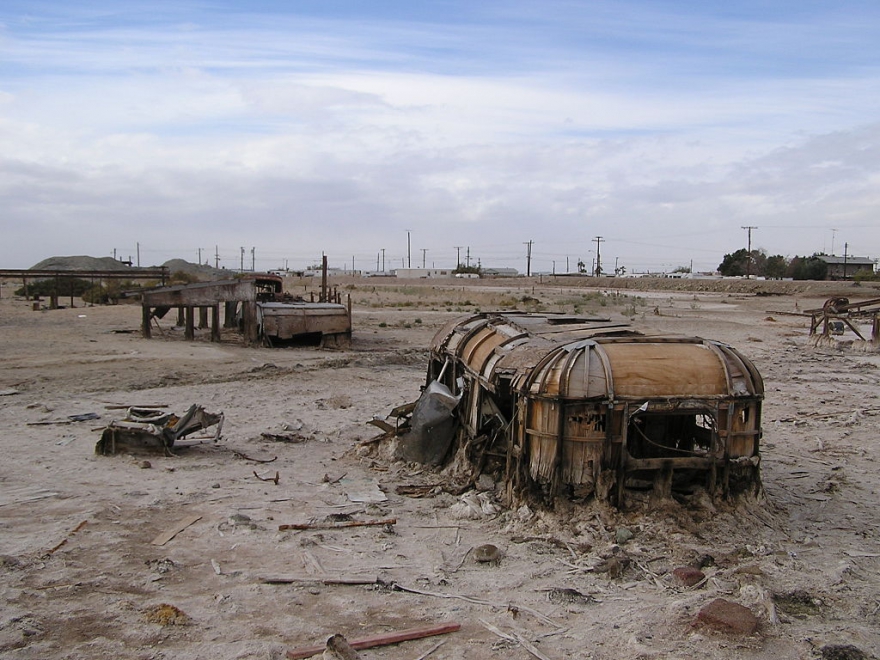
(383,261)
(528,245)
(457,255)
(598,240)
(253,259)
(749,229)
(424,252)
(408,251)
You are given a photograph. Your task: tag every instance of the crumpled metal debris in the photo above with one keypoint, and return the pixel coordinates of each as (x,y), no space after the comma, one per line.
(151,430)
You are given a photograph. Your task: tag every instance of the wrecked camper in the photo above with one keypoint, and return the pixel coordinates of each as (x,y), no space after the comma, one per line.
(568,406)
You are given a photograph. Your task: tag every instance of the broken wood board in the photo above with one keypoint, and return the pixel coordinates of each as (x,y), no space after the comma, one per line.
(171,532)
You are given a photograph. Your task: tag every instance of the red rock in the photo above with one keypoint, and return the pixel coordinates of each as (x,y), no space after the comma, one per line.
(689,576)
(731,617)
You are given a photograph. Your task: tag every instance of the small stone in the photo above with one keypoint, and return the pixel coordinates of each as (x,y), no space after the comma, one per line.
(724,615)
(145,465)
(688,576)
(842,652)
(487,553)
(215,485)
(623,535)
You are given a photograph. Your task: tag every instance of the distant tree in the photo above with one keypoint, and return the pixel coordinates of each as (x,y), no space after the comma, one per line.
(682,269)
(461,268)
(775,267)
(807,268)
(734,264)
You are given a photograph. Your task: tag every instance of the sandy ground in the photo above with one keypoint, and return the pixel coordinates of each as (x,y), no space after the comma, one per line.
(80,578)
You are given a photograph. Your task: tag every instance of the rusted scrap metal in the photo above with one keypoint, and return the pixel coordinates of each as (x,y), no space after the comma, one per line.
(839,313)
(151,430)
(574,407)
(383,639)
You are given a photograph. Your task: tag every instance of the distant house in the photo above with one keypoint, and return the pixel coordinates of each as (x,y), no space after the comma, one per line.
(844,268)
(500,272)
(422,273)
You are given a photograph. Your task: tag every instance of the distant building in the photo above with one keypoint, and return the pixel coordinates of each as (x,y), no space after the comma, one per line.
(423,273)
(500,272)
(844,268)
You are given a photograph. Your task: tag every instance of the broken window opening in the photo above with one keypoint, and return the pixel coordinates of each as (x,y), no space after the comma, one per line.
(671,435)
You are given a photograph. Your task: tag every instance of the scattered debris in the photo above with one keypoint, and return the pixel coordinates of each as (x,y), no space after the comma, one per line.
(688,576)
(255,460)
(842,652)
(154,430)
(568,596)
(82,417)
(338,648)
(321,579)
(339,525)
(64,541)
(167,615)
(384,639)
(726,616)
(272,479)
(9,392)
(487,553)
(372,496)
(171,532)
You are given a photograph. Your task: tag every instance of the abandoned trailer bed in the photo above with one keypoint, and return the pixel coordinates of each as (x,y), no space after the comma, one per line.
(585,407)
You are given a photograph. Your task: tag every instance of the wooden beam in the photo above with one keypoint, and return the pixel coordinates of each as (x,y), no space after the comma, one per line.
(384,639)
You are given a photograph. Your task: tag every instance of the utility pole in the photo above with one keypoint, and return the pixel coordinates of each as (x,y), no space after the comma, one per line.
(468,256)
(199,262)
(528,245)
(845,249)
(833,236)
(554,266)
(241,269)
(424,251)
(253,259)
(216,256)
(598,240)
(139,255)
(457,256)
(408,251)
(749,229)
(377,262)
(383,260)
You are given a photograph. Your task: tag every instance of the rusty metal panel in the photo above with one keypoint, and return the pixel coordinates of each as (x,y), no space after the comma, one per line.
(288,320)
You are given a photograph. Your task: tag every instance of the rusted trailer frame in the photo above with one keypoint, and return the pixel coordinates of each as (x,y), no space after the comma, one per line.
(838,311)
(586,408)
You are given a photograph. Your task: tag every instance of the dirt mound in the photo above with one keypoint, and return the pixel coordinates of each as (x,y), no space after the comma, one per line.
(81,262)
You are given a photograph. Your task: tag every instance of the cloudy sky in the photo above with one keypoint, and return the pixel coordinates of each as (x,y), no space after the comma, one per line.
(289,129)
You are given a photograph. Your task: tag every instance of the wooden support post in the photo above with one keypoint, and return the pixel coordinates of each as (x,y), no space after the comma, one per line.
(229,308)
(215,322)
(251,329)
(181,321)
(146,331)
(203,318)
(190,331)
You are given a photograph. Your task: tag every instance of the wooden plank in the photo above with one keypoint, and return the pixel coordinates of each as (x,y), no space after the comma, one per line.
(171,532)
(383,639)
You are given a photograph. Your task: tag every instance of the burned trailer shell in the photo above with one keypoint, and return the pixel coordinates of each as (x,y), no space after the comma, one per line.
(587,407)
